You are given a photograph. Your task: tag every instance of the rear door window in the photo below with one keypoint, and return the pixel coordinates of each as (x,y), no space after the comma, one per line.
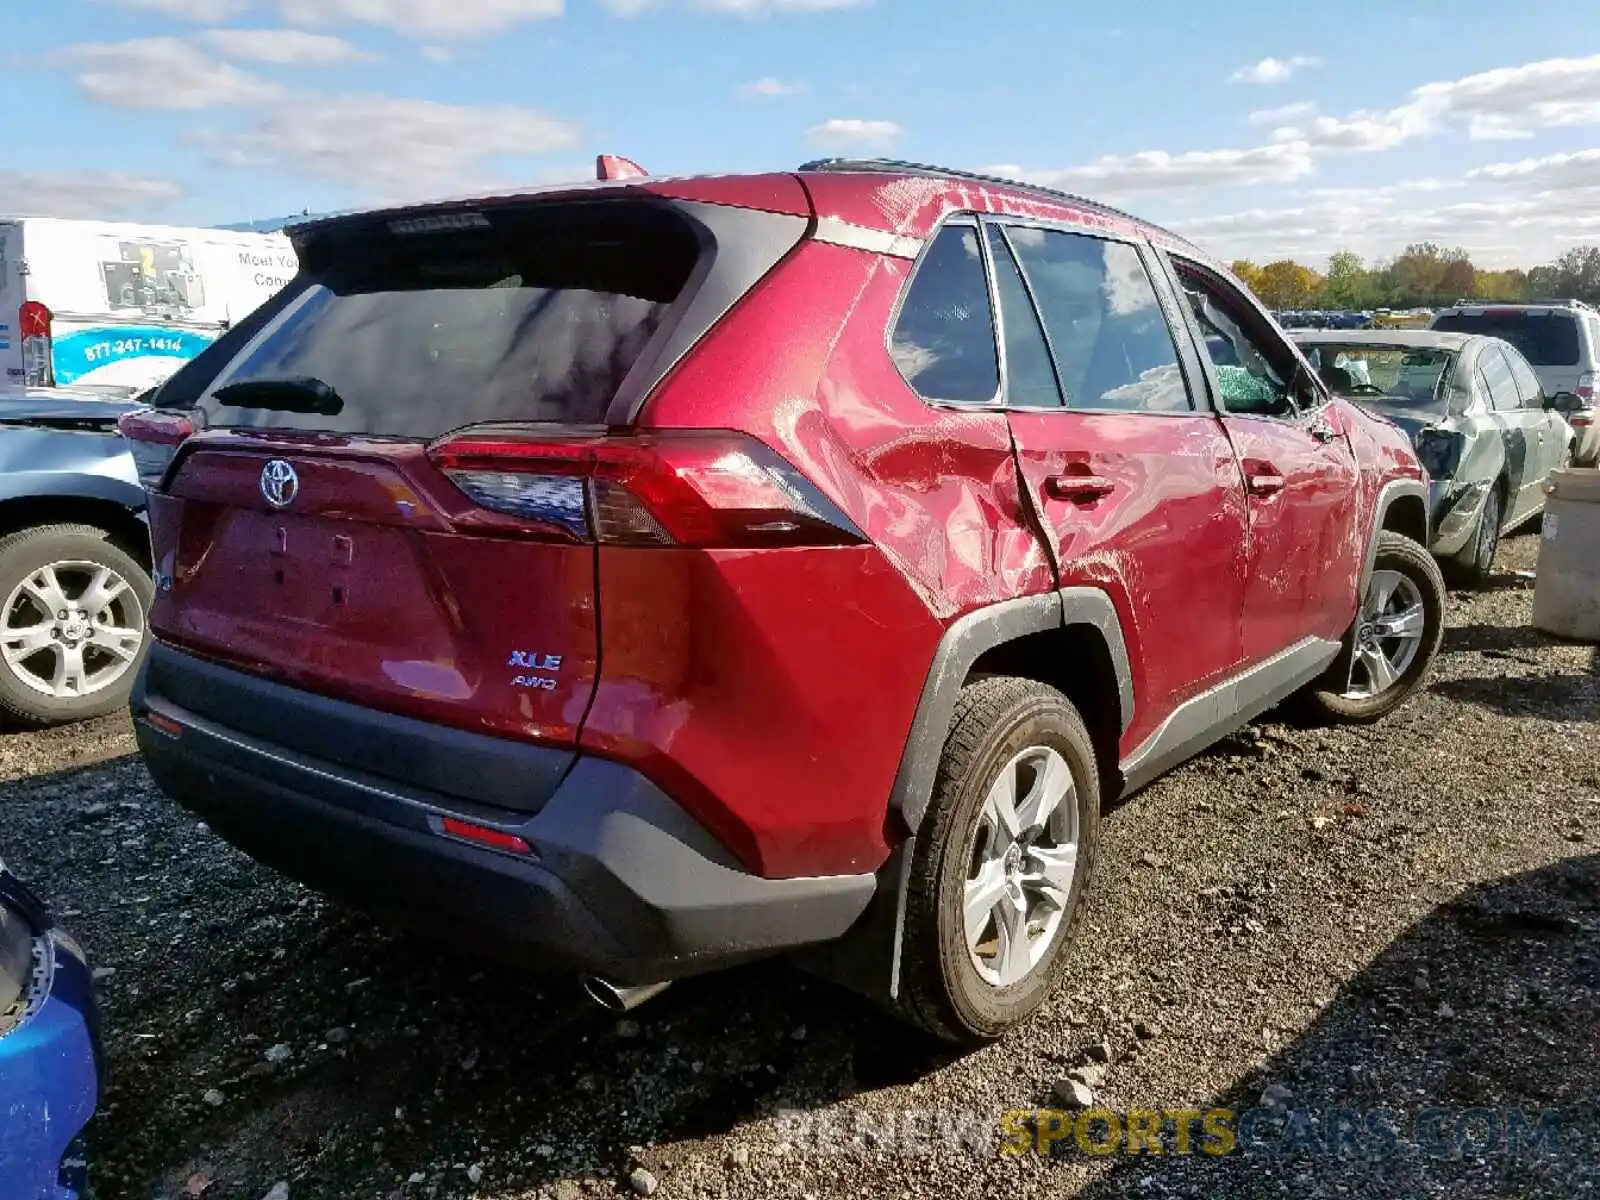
(1529,393)
(1030,378)
(943,339)
(531,314)
(1497,378)
(1112,345)
(1546,337)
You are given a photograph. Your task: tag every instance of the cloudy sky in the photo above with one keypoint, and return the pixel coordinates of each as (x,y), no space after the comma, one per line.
(1262,128)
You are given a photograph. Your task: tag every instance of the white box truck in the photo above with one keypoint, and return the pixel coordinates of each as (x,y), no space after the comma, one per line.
(101,303)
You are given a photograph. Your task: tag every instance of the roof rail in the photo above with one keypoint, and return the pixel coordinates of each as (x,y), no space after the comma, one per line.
(897,166)
(1552,302)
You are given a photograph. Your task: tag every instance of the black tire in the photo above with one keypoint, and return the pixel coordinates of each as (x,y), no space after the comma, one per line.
(1473,566)
(28,551)
(1327,698)
(941,991)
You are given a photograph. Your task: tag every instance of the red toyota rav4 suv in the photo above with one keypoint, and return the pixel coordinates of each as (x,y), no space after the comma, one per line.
(643,577)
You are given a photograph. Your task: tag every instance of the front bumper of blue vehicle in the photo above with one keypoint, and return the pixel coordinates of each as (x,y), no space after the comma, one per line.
(49,1074)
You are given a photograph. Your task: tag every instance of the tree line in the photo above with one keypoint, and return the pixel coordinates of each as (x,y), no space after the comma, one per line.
(1425,276)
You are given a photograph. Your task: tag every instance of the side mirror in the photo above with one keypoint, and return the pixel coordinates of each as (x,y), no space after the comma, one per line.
(1564,402)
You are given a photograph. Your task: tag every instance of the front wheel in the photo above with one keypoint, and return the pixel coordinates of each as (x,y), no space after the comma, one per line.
(1001,862)
(72,625)
(1393,640)
(1475,563)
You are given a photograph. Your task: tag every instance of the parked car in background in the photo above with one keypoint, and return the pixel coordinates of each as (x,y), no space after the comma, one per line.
(1480,421)
(1561,341)
(49,1051)
(99,302)
(74,556)
(1040,479)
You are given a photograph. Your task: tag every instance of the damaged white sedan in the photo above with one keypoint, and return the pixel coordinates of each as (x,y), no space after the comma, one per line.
(1481,423)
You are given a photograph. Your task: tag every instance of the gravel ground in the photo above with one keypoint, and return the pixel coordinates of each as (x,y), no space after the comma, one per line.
(1342,928)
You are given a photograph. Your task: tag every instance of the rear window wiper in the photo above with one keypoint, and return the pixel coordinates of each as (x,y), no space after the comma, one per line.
(291,394)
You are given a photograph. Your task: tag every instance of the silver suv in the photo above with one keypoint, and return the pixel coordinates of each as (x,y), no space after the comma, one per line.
(1561,341)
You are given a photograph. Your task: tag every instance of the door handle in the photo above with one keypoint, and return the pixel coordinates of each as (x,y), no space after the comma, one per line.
(1265,485)
(1080,489)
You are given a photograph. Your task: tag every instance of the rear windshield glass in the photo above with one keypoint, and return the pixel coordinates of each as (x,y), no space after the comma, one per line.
(534,314)
(1546,339)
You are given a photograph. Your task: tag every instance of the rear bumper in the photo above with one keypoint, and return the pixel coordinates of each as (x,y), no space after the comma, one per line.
(620,881)
(1587,451)
(49,1084)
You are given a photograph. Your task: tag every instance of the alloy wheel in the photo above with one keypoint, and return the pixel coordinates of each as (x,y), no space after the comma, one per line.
(71,629)
(1022,862)
(1388,635)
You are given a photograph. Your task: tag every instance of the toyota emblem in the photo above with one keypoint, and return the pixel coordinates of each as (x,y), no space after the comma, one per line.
(279,484)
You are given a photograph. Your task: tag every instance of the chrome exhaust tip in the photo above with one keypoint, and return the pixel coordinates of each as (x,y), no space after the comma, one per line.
(613,997)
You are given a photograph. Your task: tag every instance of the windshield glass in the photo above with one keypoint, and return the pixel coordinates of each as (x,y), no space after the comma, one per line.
(1402,375)
(1546,337)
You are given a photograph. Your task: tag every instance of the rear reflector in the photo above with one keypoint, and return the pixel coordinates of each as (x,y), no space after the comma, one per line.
(664,488)
(165,724)
(482,835)
(153,438)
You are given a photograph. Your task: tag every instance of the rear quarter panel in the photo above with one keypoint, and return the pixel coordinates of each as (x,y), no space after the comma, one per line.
(780,686)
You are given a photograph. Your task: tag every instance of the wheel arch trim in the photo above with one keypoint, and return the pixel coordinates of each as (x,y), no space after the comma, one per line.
(968,639)
(1395,489)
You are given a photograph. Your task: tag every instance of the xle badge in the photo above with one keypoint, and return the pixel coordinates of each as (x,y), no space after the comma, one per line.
(531,660)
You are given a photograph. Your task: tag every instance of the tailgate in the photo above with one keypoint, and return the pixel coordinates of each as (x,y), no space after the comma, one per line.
(377,584)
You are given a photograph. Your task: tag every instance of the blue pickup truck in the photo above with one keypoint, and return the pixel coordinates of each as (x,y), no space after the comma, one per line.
(74,556)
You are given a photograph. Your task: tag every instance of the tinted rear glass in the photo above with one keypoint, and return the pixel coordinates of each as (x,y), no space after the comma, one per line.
(1546,339)
(533,314)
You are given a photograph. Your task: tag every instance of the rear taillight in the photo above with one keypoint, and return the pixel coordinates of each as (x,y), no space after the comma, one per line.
(666,488)
(1585,388)
(33,327)
(153,438)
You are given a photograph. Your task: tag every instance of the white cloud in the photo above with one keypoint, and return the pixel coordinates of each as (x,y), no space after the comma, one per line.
(393,149)
(423,18)
(1556,172)
(771,88)
(1496,229)
(283,47)
(162,73)
(1510,102)
(1274,70)
(762,8)
(191,10)
(436,54)
(1151,170)
(82,194)
(1516,101)
(853,131)
(1282,114)
(1359,131)
(736,8)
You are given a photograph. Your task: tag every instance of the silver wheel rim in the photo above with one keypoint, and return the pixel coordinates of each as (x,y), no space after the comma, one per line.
(1388,634)
(1021,862)
(1488,533)
(71,629)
